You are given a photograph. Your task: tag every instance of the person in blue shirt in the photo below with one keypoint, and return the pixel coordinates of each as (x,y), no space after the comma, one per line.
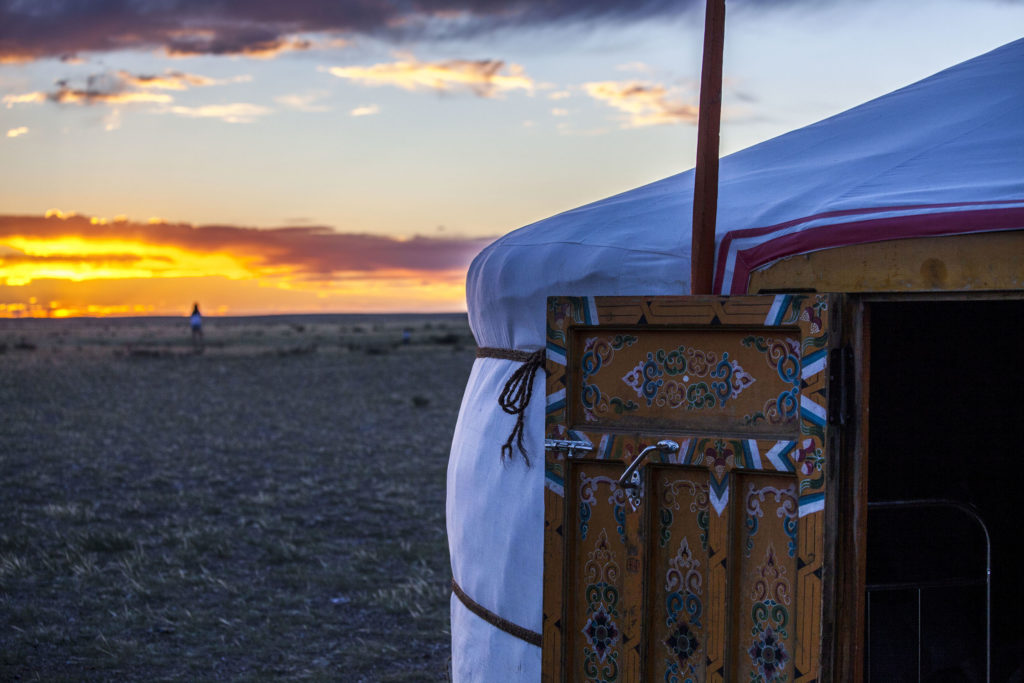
(196,323)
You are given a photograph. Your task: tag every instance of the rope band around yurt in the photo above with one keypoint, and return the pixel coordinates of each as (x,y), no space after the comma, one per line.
(531,637)
(517,392)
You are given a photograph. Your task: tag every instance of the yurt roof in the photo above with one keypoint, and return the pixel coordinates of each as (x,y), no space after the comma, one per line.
(942,156)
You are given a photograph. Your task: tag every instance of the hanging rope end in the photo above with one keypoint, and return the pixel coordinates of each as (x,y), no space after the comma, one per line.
(507,454)
(517,393)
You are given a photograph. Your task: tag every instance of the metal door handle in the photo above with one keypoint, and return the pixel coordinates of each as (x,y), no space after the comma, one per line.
(630,479)
(665,446)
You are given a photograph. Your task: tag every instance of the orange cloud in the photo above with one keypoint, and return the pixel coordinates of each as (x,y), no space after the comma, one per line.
(482,77)
(646,104)
(174,80)
(123,87)
(65,95)
(72,262)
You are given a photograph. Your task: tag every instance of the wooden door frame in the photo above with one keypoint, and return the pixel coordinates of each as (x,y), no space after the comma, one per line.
(847,522)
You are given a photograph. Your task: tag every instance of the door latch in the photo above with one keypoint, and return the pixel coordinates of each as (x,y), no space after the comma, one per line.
(567,445)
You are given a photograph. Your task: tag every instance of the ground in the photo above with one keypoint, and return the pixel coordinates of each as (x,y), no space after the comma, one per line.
(272,507)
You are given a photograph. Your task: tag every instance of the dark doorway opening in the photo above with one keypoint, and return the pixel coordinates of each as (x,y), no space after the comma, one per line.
(946,423)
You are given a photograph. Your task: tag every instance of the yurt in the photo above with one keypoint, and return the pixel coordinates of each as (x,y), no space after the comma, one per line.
(850,507)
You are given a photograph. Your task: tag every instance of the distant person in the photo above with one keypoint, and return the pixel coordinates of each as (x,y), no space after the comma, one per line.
(196,323)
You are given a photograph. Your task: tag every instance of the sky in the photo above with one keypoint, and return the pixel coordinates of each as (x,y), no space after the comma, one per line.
(264,157)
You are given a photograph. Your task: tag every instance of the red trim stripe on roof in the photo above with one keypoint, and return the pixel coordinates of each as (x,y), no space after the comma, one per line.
(859,232)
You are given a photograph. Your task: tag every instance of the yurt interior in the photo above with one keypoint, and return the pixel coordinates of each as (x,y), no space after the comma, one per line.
(945,414)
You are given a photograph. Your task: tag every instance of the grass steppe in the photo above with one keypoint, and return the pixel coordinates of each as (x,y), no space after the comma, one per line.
(271,508)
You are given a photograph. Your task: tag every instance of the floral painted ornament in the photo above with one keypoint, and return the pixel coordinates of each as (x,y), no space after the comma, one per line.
(769,657)
(600,630)
(602,634)
(682,643)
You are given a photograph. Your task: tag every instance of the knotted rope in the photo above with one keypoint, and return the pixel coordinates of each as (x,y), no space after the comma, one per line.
(517,392)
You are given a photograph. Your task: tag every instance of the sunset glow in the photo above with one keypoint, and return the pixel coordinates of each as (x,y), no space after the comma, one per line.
(65,264)
(77,259)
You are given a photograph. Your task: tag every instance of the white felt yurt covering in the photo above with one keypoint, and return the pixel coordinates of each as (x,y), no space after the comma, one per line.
(942,156)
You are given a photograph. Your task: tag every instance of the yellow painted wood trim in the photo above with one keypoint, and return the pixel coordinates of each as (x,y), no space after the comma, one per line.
(975,262)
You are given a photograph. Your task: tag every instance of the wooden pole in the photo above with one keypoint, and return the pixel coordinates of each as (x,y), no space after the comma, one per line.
(705,184)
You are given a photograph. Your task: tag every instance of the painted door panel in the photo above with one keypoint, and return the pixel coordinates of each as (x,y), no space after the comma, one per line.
(715,571)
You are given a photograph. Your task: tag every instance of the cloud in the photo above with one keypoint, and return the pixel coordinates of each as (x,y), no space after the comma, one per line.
(174,80)
(306,102)
(256,44)
(646,104)
(368,110)
(121,87)
(107,88)
(267,28)
(112,121)
(17,132)
(482,77)
(188,28)
(68,95)
(66,264)
(10,259)
(24,98)
(236,112)
(305,253)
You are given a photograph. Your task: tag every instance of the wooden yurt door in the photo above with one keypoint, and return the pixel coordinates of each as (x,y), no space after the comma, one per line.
(707,564)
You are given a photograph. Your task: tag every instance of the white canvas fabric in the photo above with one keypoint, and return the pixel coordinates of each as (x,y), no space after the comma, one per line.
(942,156)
